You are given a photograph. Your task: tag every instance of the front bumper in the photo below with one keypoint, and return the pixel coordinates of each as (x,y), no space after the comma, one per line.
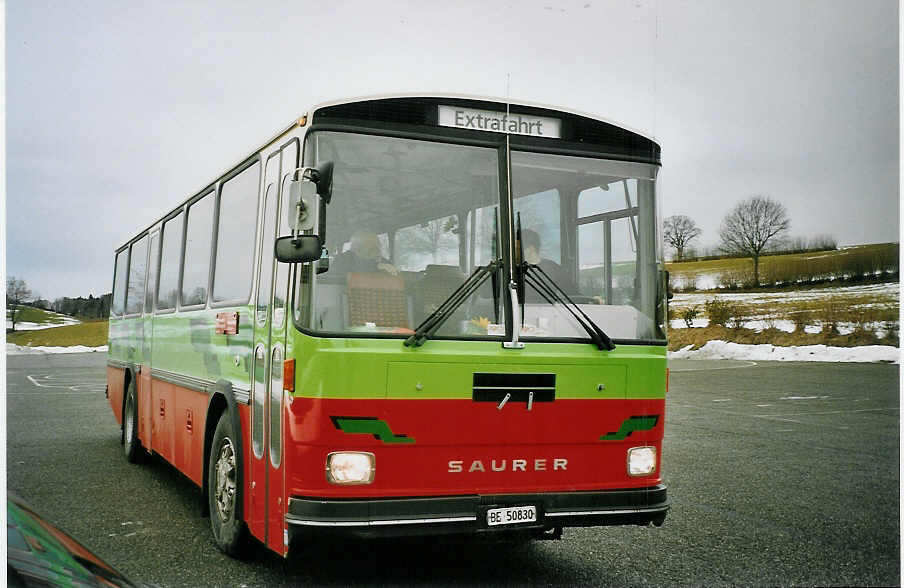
(388,517)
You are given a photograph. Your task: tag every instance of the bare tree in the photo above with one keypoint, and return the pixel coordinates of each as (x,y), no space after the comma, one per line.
(17,293)
(750,226)
(431,240)
(678,230)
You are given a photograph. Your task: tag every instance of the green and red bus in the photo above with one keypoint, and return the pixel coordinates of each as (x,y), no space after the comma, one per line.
(405,315)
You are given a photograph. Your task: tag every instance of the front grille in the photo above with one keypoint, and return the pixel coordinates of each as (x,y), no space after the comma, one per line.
(492,387)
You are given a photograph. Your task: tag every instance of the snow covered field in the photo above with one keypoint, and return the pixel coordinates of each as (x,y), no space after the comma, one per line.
(62,319)
(13,349)
(726,350)
(763,306)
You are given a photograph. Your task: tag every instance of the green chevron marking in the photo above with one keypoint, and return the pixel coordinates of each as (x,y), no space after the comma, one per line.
(634,423)
(369,426)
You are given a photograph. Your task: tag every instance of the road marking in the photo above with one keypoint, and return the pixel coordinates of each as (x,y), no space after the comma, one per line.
(52,393)
(53,381)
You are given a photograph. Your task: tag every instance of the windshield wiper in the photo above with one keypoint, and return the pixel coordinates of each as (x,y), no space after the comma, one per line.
(551,291)
(433,322)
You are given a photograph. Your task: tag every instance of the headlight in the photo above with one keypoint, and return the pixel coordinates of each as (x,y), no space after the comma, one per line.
(641,461)
(350,467)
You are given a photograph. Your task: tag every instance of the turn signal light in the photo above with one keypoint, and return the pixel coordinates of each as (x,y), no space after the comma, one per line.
(288,375)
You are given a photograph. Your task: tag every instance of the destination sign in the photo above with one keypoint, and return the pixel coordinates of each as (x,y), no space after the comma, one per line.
(499,122)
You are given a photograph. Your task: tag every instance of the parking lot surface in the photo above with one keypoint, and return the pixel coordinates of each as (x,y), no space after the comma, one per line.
(778,474)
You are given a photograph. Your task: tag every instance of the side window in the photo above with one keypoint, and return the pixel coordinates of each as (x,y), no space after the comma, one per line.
(198,233)
(605,198)
(138,272)
(152,273)
(119,282)
(171,250)
(235,236)
(266,272)
(289,155)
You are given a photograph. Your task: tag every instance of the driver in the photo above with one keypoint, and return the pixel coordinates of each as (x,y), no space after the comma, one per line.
(365,255)
(530,245)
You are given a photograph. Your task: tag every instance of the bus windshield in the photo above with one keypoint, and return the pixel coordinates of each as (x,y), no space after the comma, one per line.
(589,225)
(410,220)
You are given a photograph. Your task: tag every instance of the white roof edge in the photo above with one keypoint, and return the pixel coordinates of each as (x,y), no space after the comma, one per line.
(485,98)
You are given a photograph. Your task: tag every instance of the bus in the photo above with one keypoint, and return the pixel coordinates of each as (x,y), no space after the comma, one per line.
(405,315)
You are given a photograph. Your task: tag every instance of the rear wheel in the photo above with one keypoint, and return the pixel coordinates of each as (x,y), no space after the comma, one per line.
(133,450)
(223,490)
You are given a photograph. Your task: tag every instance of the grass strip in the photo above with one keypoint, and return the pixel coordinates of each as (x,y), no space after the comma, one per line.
(699,336)
(90,334)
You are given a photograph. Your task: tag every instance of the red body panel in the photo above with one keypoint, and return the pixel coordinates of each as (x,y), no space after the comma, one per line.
(255,486)
(465,432)
(145,415)
(116,378)
(161,408)
(188,417)
(428,447)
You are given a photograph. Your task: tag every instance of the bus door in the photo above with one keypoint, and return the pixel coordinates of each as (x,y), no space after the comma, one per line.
(145,400)
(267,481)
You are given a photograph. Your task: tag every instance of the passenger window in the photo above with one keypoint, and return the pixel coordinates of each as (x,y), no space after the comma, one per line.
(119,282)
(152,273)
(195,270)
(235,236)
(170,253)
(138,268)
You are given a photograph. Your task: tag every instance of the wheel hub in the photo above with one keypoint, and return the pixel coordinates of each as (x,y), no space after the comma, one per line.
(224,493)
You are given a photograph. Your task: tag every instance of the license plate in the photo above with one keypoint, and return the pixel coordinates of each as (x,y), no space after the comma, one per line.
(511,515)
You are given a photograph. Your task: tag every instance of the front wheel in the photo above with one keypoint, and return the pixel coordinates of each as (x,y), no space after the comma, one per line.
(223,490)
(133,450)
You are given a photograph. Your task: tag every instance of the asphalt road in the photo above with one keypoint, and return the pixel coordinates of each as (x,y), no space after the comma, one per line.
(779,474)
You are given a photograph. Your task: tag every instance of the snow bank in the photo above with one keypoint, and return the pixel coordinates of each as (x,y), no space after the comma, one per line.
(54,319)
(13,349)
(767,352)
(891,289)
(36,326)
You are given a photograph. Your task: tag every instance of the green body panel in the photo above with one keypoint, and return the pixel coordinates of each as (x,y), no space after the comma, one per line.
(636,423)
(385,368)
(448,380)
(370,426)
(126,340)
(185,343)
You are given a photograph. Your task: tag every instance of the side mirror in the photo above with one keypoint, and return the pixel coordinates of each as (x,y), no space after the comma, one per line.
(303,193)
(300,249)
(301,205)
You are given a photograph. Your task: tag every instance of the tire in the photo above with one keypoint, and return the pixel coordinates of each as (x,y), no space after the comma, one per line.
(131,445)
(224,492)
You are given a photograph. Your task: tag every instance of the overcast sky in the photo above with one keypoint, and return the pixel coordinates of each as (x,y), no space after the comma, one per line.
(117,111)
